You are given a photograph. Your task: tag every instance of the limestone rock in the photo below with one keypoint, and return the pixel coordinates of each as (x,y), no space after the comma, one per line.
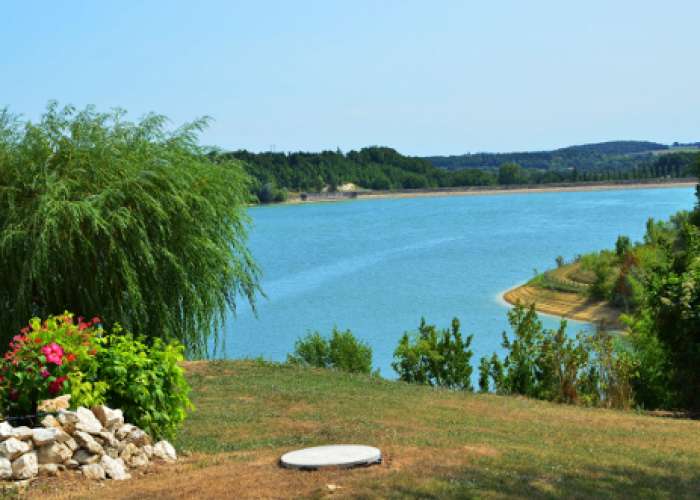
(44,436)
(84,457)
(86,441)
(165,451)
(93,471)
(23,433)
(124,431)
(112,451)
(68,420)
(109,418)
(71,464)
(109,439)
(71,444)
(55,404)
(48,469)
(12,448)
(148,450)
(137,460)
(114,468)
(87,421)
(26,466)
(6,431)
(138,437)
(54,453)
(127,451)
(5,468)
(50,421)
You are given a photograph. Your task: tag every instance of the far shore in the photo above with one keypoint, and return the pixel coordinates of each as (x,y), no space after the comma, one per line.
(296,198)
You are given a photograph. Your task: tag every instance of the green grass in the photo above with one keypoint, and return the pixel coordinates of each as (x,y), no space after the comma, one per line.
(438,444)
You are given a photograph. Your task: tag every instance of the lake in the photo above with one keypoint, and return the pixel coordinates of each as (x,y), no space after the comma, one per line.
(377,266)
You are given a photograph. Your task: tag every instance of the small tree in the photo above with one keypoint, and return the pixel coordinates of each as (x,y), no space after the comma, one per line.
(437,358)
(342,351)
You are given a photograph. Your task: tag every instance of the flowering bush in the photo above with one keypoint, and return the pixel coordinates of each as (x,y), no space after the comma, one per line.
(51,358)
(63,356)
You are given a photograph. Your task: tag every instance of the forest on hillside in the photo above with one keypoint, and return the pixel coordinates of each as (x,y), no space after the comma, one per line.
(598,157)
(273,174)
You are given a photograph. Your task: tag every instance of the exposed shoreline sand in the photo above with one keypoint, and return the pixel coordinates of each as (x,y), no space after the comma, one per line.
(371,195)
(565,305)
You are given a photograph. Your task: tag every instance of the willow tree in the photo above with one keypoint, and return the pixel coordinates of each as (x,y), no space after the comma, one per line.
(128,221)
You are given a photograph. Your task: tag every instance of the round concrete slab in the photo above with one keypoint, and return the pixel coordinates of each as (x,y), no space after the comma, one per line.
(339,455)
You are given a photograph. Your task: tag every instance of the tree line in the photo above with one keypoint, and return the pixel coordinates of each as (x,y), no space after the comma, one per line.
(382,168)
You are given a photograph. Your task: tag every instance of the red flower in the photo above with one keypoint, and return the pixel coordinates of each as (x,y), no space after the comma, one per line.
(55,386)
(44,372)
(70,357)
(96,320)
(38,340)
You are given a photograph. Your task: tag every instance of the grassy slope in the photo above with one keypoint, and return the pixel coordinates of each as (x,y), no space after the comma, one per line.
(437,444)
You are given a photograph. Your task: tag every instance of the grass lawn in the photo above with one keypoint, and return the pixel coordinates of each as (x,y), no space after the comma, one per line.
(436,443)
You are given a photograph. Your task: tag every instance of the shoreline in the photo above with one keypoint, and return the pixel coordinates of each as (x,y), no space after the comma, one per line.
(566,305)
(296,199)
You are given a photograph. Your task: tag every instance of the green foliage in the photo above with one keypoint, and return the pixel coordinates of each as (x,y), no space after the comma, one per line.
(436,358)
(622,246)
(546,364)
(145,381)
(51,358)
(343,351)
(512,173)
(129,219)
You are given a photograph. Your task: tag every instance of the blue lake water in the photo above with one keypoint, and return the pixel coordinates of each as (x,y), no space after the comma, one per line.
(377,266)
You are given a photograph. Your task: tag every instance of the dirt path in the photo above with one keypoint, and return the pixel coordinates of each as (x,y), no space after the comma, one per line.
(565,304)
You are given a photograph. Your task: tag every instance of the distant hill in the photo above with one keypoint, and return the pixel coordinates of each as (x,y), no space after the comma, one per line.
(603,156)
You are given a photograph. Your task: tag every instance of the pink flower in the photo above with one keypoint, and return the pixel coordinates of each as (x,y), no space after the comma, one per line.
(53,353)
(44,372)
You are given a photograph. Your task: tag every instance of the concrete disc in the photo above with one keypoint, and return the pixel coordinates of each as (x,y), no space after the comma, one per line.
(340,455)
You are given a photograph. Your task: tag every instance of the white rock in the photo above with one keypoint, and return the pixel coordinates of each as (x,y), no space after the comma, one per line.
(71,444)
(54,453)
(109,439)
(165,451)
(48,469)
(114,468)
(108,417)
(71,464)
(87,421)
(128,450)
(6,431)
(124,431)
(55,404)
(12,448)
(23,433)
(148,450)
(88,442)
(93,471)
(112,451)
(137,460)
(138,437)
(26,466)
(50,421)
(5,468)
(44,436)
(68,420)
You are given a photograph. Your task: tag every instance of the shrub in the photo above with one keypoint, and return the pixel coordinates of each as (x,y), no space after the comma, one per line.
(145,381)
(343,351)
(51,358)
(546,364)
(437,358)
(157,226)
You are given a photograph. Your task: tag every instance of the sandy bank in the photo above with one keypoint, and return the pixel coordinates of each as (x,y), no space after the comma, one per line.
(565,304)
(481,190)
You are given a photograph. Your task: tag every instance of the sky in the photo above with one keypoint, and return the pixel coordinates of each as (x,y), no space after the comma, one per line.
(426,77)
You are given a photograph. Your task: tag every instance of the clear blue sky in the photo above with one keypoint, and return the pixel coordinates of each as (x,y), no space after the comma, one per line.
(425,77)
